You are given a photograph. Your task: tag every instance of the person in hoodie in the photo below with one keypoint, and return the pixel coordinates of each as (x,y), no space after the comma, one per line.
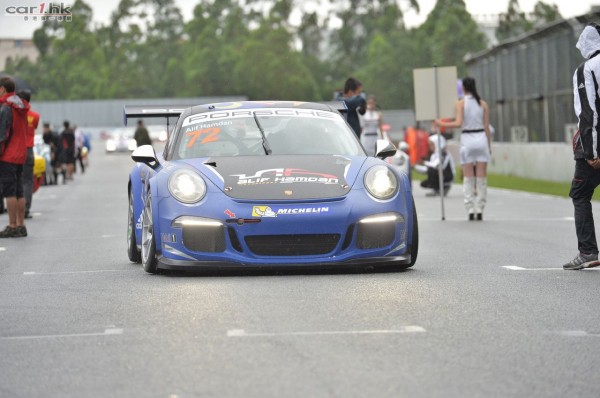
(13,154)
(586,147)
(430,167)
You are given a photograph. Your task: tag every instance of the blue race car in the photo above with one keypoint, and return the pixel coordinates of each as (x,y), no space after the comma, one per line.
(266,184)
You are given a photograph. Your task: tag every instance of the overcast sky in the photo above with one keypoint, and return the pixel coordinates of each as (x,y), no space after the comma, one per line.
(16,27)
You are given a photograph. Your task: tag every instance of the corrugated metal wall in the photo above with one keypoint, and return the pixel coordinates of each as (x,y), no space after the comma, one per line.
(106,113)
(527,82)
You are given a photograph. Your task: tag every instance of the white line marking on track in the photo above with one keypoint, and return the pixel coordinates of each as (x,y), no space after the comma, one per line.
(2,249)
(107,332)
(576,333)
(107,236)
(492,218)
(405,329)
(517,268)
(79,272)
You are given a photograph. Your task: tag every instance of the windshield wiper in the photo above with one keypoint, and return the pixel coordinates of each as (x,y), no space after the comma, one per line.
(265,143)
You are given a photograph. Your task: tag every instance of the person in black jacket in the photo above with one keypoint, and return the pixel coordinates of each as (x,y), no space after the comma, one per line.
(67,141)
(586,148)
(355,102)
(53,141)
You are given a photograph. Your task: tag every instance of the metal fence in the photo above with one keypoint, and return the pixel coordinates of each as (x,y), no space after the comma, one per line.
(527,82)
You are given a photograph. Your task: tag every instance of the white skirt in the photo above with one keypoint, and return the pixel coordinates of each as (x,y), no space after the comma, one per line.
(474,148)
(369,142)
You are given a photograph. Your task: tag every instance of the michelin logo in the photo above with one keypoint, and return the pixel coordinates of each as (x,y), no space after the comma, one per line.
(267,211)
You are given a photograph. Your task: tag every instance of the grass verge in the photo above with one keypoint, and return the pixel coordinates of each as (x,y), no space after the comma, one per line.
(523,184)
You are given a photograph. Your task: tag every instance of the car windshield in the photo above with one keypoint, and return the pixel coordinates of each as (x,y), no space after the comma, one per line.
(286,132)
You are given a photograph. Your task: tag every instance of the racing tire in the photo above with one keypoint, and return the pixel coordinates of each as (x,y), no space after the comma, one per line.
(414,247)
(149,261)
(132,251)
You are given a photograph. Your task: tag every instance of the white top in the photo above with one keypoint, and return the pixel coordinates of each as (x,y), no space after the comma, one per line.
(473,114)
(371,122)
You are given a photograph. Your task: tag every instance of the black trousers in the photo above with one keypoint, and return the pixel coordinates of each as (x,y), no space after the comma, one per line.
(584,183)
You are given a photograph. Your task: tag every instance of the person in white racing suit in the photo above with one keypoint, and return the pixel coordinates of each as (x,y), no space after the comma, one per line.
(586,148)
(430,167)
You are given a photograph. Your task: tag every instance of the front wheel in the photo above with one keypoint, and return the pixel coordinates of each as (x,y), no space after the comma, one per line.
(414,247)
(132,251)
(149,261)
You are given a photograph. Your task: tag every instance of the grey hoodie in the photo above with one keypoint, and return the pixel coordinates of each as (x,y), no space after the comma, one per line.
(587,95)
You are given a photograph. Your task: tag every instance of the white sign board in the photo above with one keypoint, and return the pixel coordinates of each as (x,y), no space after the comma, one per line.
(435,92)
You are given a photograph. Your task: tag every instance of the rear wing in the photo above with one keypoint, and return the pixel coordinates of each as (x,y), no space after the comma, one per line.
(146,111)
(338,105)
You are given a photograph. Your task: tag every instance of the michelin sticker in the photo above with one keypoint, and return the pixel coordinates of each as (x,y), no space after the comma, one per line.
(267,211)
(263,211)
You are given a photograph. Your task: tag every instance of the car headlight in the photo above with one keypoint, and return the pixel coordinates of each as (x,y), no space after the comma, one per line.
(187,186)
(381,182)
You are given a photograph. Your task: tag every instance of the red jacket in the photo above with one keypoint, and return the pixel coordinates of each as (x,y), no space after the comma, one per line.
(13,129)
(33,119)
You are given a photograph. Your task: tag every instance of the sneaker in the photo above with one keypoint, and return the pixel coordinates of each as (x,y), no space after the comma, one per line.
(28,215)
(8,232)
(583,261)
(471,217)
(20,232)
(479,216)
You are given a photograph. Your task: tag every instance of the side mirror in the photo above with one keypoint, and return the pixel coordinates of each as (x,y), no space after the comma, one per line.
(385,149)
(145,154)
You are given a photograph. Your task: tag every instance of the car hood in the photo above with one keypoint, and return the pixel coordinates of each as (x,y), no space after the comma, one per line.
(281,177)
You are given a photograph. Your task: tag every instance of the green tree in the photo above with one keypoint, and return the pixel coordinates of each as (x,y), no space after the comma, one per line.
(448,34)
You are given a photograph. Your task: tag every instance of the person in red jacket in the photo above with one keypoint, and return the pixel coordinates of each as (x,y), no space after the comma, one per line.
(33,119)
(13,153)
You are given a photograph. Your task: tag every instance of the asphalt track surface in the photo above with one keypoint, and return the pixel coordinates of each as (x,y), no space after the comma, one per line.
(487,310)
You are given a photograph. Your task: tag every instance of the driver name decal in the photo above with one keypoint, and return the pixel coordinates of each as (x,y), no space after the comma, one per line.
(285,176)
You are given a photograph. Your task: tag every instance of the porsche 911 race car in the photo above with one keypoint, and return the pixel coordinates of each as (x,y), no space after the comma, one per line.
(266,184)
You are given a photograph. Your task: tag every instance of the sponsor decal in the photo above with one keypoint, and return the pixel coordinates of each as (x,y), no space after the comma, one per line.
(210,135)
(138,224)
(263,211)
(268,211)
(229,213)
(285,176)
(211,117)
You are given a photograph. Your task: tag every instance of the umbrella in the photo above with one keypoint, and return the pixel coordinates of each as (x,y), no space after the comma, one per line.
(20,83)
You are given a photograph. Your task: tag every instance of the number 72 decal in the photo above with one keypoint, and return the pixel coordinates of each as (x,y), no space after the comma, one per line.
(210,135)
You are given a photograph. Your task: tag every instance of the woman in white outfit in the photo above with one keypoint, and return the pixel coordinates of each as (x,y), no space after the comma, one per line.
(472,116)
(372,122)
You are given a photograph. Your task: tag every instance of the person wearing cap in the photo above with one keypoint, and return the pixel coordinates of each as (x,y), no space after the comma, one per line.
(586,147)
